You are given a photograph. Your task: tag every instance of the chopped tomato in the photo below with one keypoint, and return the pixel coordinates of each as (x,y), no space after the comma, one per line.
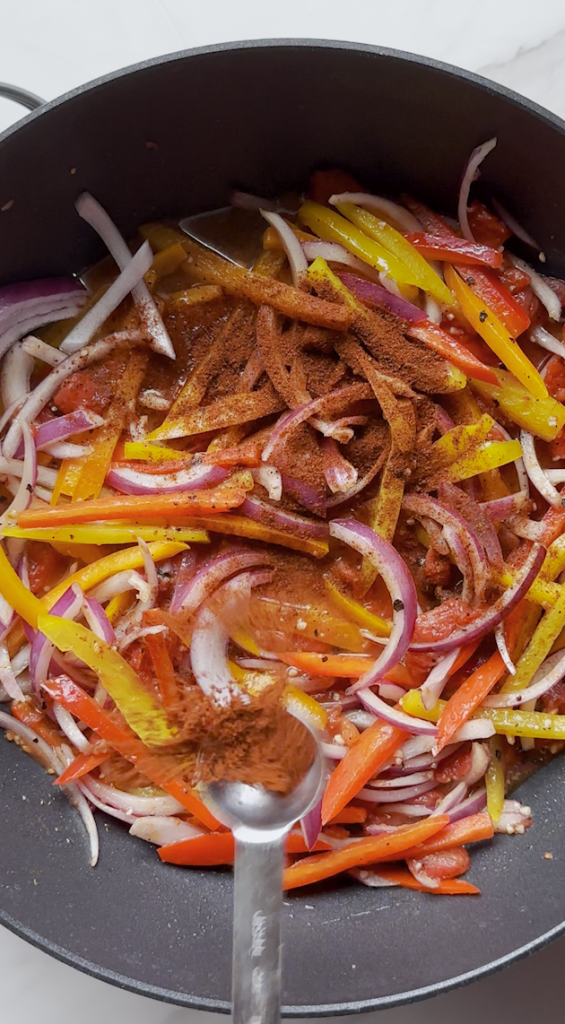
(440,622)
(456,766)
(486,228)
(46,566)
(324,184)
(90,389)
(555,378)
(447,864)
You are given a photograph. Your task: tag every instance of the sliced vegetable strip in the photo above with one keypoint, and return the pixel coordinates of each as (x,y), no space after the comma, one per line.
(445,886)
(506,721)
(360,852)
(362,760)
(75,700)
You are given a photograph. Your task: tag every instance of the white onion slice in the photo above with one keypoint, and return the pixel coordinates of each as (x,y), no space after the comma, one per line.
(535,472)
(16,374)
(94,214)
(41,350)
(162,830)
(546,340)
(470,174)
(291,245)
(399,216)
(540,287)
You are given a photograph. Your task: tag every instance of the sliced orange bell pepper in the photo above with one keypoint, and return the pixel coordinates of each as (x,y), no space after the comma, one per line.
(467,698)
(161,660)
(362,760)
(27,713)
(132,506)
(473,829)
(219,848)
(80,704)
(445,886)
(360,852)
(351,815)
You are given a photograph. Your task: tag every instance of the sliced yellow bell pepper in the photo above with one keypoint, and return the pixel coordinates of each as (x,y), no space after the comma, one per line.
(423,274)
(160,236)
(302,705)
(484,321)
(144,451)
(459,439)
(331,227)
(547,631)
(495,780)
(165,262)
(197,294)
(365,618)
(554,562)
(110,533)
(16,593)
(506,721)
(486,456)
(542,416)
(129,558)
(138,706)
(118,605)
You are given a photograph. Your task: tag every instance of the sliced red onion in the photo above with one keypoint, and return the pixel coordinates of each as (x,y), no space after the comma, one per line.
(450,800)
(130,626)
(134,481)
(390,691)
(75,795)
(416,868)
(67,607)
(31,304)
(311,825)
(185,572)
(470,174)
(16,374)
(500,638)
(7,677)
(546,340)
(370,877)
(62,427)
(375,295)
(24,492)
(379,796)
(535,472)
(269,478)
(555,476)
(66,450)
(97,620)
(209,660)
(67,724)
(523,481)
(487,622)
(162,830)
(364,481)
(409,810)
(361,719)
(480,760)
(281,519)
(138,806)
(306,495)
(422,505)
(414,746)
(292,247)
(398,215)
(44,753)
(473,804)
(42,394)
(432,689)
(433,310)
(546,677)
(339,474)
(94,214)
(513,226)
(93,798)
(120,583)
(212,575)
(515,818)
(41,350)
(475,729)
(540,287)
(529,529)
(500,509)
(400,585)
(340,398)
(333,751)
(414,779)
(421,763)
(399,719)
(86,328)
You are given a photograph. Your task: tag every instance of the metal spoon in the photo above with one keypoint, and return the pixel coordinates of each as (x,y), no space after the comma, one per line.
(259,820)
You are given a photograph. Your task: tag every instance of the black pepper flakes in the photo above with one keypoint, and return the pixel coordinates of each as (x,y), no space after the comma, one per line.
(398,605)
(483,315)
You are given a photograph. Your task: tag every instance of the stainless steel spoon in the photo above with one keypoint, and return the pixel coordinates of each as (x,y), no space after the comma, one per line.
(259,820)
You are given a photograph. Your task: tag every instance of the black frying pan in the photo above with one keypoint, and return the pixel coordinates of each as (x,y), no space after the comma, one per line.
(262,116)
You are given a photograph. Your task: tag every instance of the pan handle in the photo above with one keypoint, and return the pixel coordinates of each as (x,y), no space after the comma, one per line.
(27,99)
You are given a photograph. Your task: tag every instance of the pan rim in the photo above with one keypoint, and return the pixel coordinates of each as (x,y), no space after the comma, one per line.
(72,959)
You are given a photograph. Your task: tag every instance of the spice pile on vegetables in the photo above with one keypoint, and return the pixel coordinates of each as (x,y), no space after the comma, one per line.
(330,481)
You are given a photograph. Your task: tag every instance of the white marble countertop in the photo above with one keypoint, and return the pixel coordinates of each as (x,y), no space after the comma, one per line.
(50,46)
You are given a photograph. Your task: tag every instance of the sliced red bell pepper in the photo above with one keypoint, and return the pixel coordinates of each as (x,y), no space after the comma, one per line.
(324,184)
(454,249)
(218,848)
(122,739)
(488,286)
(161,659)
(30,715)
(446,345)
(473,829)
(430,221)
(361,852)
(82,765)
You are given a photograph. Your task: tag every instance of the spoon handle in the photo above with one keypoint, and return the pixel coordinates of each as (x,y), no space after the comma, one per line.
(256,979)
